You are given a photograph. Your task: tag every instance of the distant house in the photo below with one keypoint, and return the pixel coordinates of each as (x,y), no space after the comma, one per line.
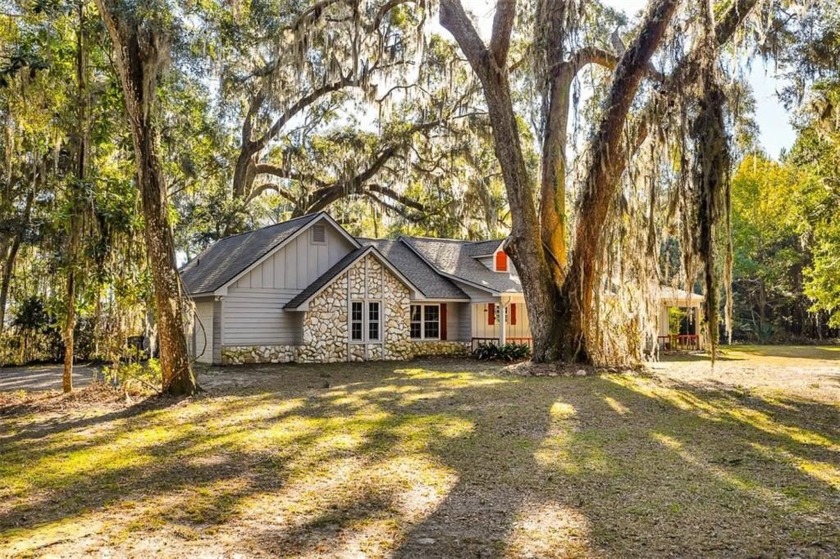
(307,291)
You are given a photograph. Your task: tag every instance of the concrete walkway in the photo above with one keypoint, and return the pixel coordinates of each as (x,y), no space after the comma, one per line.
(42,377)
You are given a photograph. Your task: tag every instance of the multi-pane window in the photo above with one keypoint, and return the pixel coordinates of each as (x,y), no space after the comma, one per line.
(425,322)
(431,321)
(373,321)
(416,322)
(365,321)
(356,321)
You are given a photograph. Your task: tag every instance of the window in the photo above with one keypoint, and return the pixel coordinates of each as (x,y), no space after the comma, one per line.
(431,322)
(501,262)
(356,322)
(373,321)
(426,322)
(416,322)
(365,321)
(319,234)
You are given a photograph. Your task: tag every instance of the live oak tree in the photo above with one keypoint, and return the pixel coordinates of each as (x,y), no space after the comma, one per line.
(337,100)
(140,49)
(562,283)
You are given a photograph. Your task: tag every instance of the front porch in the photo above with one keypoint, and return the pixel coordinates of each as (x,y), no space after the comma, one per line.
(679,321)
(504,320)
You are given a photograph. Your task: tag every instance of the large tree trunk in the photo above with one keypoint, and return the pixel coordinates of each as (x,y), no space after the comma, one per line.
(77,202)
(140,49)
(560,296)
(524,247)
(609,159)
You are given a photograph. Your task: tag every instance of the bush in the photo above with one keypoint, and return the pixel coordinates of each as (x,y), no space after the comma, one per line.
(135,378)
(506,352)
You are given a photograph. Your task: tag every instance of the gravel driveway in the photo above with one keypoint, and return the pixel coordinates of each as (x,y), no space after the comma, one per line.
(42,377)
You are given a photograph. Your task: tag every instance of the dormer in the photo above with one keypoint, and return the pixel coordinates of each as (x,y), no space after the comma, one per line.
(501,262)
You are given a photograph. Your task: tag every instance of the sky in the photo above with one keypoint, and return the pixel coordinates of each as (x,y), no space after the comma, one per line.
(775,130)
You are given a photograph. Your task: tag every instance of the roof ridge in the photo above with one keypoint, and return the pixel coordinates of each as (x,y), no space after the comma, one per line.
(268,226)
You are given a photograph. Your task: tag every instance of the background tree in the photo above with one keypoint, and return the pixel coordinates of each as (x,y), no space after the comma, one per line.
(140,49)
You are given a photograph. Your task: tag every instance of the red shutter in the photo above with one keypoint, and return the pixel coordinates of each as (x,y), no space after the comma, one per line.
(491,314)
(501,261)
(443,321)
(513,314)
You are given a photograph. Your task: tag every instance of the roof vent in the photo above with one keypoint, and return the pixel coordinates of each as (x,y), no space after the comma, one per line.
(319,234)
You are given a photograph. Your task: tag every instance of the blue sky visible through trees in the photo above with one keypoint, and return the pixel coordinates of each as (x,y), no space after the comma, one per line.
(776,132)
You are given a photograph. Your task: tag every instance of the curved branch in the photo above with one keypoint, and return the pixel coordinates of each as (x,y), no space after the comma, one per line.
(602,57)
(394,195)
(416,218)
(283,173)
(303,103)
(265,187)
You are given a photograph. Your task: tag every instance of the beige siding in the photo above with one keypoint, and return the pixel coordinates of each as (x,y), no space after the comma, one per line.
(253,307)
(481,329)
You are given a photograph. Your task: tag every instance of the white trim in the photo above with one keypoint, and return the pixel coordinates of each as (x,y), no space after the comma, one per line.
(423,322)
(366,340)
(321,216)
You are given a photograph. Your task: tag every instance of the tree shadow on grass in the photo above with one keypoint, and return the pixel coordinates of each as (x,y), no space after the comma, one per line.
(420,462)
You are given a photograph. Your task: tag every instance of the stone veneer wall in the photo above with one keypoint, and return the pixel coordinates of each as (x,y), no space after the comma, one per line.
(237,355)
(326,324)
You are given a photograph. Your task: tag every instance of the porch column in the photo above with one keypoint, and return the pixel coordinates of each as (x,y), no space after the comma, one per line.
(502,314)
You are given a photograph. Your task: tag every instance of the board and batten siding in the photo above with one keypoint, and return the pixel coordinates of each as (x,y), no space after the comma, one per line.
(253,307)
(458,322)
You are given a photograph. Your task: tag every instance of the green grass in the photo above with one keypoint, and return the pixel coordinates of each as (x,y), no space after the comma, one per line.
(431,459)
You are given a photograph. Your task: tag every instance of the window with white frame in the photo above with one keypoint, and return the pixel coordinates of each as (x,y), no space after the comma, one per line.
(374,321)
(365,321)
(425,322)
(357,321)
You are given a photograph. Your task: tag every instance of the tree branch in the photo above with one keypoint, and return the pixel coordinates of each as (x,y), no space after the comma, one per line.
(502,28)
(394,195)
(416,218)
(455,20)
(303,103)
(283,173)
(275,187)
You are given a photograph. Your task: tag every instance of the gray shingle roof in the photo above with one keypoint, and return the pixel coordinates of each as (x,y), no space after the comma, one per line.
(456,258)
(324,279)
(223,261)
(423,276)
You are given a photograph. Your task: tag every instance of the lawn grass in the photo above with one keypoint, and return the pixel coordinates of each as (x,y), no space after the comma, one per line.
(440,458)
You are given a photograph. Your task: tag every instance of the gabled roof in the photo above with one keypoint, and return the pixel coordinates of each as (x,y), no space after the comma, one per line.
(457,260)
(421,274)
(313,288)
(229,258)
(302,299)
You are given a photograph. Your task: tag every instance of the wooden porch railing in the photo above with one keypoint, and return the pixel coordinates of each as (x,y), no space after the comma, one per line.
(679,342)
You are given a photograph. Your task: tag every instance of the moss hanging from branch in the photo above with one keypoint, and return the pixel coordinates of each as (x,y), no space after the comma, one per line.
(710,176)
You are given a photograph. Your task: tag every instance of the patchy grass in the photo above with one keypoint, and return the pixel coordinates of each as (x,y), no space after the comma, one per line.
(437,459)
